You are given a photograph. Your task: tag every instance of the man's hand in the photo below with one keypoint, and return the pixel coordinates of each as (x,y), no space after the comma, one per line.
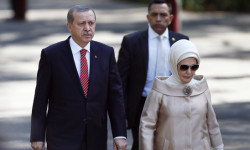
(38,145)
(120,144)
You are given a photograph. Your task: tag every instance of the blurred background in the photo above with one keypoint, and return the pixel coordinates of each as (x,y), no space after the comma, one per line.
(211,5)
(220,29)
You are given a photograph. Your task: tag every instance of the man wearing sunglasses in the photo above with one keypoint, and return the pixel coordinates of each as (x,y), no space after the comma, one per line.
(139,60)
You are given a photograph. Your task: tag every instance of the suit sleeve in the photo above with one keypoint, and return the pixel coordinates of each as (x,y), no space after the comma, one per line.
(213,126)
(38,118)
(116,108)
(149,119)
(124,60)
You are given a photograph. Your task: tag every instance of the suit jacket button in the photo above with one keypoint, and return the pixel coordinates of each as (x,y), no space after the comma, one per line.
(85,121)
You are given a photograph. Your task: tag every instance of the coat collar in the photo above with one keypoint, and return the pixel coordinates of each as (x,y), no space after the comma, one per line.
(164,87)
(69,64)
(143,42)
(94,58)
(171,37)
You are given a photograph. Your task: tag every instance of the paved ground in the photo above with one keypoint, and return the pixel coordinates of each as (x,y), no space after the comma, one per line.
(223,41)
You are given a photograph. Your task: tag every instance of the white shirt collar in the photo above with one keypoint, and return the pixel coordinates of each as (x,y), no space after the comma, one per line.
(76,48)
(152,34)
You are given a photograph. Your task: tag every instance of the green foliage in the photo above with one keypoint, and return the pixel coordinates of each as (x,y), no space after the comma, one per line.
(220,5)
(210,5)
(139,1)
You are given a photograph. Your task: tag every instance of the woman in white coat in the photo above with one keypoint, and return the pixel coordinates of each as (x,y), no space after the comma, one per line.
(178,114)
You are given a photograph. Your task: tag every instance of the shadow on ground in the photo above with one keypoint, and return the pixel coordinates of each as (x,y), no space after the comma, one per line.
(234,120)
(15,133)
(236,54)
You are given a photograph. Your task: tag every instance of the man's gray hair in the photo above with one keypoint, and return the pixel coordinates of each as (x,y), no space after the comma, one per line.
(77,8)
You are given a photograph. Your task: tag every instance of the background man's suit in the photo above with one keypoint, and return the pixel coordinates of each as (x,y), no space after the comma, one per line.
(133,67)
(72,119)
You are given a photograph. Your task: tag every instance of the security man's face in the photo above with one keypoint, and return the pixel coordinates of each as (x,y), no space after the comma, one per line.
(159,17)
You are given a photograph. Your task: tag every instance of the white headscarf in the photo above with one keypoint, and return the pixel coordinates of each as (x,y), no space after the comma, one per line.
(180,50)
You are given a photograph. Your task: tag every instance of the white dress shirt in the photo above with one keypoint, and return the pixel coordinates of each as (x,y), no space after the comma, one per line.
(75,49)
(153,43)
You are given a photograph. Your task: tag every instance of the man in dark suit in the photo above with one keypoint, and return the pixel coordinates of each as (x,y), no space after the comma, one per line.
(78,83)
(139,59)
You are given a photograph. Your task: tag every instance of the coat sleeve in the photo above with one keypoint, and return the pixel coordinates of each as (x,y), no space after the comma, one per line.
(149,119)
(213,125)
(116,108)
(38,118)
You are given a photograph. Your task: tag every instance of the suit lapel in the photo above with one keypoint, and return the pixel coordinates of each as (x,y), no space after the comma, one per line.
(69,64)
(171,38)
(144,48)
(93,61)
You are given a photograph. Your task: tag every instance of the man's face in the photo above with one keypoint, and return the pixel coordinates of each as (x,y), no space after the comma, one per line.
(159,17)
(83,27)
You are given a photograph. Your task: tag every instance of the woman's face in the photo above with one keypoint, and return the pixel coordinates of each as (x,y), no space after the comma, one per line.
(186,69)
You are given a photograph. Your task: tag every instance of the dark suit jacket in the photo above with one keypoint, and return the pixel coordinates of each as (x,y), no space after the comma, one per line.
(133,67)
(70,115)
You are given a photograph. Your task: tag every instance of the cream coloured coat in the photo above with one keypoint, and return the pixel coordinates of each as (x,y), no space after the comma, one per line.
(173,121)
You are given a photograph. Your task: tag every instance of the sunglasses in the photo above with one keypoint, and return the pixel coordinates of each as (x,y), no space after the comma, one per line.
(186,67)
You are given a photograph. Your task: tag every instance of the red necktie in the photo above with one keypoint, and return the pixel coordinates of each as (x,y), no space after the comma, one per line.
(84,72)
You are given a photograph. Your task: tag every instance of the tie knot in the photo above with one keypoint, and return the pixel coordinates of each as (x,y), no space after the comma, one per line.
(160,37)
(83,52)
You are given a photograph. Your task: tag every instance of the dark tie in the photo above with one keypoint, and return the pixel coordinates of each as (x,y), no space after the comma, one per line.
(84,72)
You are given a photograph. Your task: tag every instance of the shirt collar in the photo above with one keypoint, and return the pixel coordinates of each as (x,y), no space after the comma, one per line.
(152,34)
(76,48)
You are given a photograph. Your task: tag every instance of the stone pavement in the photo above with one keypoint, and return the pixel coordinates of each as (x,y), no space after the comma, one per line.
(222,39)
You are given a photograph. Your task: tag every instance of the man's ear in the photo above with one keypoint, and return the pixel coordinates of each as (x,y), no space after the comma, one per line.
(147,17)
(69,27)
(171,18)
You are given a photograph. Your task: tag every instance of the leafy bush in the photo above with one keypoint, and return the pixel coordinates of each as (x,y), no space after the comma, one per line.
(210,5)
(220,5)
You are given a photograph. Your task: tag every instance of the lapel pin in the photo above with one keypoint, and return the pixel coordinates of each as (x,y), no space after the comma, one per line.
(173,39)
(95,57)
